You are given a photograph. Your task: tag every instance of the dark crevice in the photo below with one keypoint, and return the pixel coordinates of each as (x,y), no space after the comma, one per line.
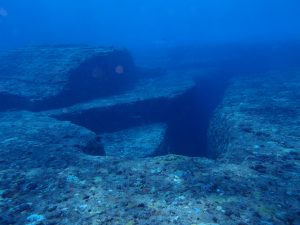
(189,122)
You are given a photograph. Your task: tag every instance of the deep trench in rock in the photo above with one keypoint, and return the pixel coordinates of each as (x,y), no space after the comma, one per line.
(187,128)
(187,117)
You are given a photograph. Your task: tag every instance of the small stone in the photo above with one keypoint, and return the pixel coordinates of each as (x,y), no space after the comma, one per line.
(219,208)
(31,186)
(141,205)
(256,146)
(35,218)
(52,208)
(228,212)
(259,168)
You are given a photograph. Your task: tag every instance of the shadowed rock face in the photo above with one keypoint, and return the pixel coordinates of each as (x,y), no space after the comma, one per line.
(47,77)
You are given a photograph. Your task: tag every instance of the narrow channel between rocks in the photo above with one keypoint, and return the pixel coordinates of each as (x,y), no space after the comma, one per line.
(186,117)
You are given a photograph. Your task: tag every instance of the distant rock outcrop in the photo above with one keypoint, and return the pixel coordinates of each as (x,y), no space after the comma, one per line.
(52,76)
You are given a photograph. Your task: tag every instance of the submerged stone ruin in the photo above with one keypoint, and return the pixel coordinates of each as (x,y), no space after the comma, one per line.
(68,156)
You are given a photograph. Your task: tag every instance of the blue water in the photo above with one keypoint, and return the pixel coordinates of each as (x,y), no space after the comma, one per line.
(157,23)
(226,148)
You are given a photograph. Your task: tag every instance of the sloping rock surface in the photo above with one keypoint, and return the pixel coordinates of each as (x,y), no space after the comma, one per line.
(52,76)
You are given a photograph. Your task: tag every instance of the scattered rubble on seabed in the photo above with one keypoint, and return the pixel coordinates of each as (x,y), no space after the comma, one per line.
(56,172)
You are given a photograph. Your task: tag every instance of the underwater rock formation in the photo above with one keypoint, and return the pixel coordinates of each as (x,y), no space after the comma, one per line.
(53,76)
(86,163)
(89,87)
(168,99)
(45,177)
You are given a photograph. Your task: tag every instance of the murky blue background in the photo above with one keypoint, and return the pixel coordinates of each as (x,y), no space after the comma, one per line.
(137,23)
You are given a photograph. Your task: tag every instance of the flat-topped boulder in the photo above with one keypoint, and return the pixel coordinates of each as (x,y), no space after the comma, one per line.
(136,142)
(53,76)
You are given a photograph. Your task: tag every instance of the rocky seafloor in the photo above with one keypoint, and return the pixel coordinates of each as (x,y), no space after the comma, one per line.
(57,167)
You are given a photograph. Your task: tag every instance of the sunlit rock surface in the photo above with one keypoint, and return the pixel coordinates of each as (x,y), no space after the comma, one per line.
(53,76)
